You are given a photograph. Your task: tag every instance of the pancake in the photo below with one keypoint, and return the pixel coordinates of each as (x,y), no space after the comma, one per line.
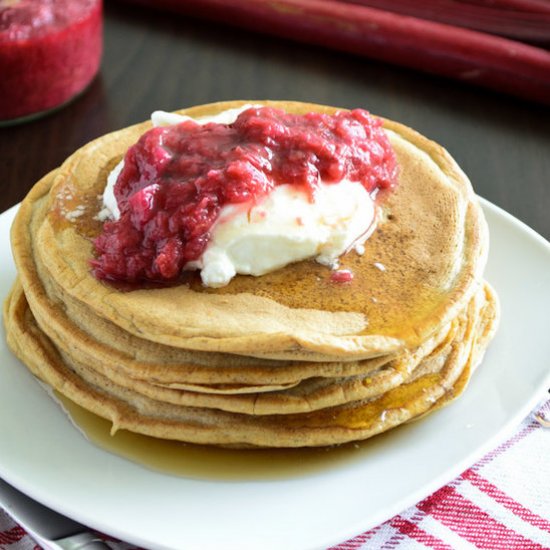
(100,341)
(288,359)
(431,237)
(311,393)
(355,420)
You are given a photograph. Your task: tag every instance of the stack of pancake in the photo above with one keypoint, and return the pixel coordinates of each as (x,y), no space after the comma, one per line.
(288,359)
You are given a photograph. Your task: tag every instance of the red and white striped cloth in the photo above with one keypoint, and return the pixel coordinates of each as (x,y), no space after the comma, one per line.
(501,503)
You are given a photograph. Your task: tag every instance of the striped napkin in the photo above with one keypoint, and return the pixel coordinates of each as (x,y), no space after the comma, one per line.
(501,503)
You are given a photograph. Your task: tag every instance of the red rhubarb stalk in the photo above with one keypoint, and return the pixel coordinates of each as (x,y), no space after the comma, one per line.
(540,6)
(470,56)
(526,25)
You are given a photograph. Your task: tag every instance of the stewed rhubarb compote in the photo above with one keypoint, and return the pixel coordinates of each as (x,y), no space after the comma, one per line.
(178,180)
(50,50)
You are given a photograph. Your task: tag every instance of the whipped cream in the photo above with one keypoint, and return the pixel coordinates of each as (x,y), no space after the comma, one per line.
(162,118)
(110,206)
(284,227)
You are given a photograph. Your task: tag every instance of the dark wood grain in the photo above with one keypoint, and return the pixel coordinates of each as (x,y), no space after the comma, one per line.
(154,60)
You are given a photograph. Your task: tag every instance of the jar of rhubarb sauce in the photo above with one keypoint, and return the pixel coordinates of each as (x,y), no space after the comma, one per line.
(50,51)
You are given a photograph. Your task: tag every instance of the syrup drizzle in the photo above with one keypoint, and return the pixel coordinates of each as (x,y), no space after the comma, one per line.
(214,463)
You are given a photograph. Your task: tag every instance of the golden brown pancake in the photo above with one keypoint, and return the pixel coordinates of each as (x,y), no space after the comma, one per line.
(308,394)
(98,340)
(288,359)
(432,239)
(354,420)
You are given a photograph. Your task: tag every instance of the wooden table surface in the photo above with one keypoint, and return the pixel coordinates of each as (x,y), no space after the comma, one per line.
(155,60)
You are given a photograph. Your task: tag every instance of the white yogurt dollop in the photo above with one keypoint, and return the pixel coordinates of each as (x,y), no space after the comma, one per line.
(286,227)
(282,228)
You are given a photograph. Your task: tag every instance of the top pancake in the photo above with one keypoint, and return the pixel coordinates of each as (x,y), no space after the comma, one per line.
(431,238)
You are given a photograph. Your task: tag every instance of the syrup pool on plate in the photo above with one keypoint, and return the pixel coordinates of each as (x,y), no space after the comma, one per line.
(214,463)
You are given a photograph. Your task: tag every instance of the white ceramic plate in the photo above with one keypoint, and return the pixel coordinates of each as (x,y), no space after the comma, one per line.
(46,457)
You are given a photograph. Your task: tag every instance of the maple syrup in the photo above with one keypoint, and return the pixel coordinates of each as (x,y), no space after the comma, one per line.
(217,463)
(208,462)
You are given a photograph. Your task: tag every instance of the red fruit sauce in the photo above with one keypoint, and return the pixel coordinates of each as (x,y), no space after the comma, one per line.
(49,51)
(177,178)
(341,276)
